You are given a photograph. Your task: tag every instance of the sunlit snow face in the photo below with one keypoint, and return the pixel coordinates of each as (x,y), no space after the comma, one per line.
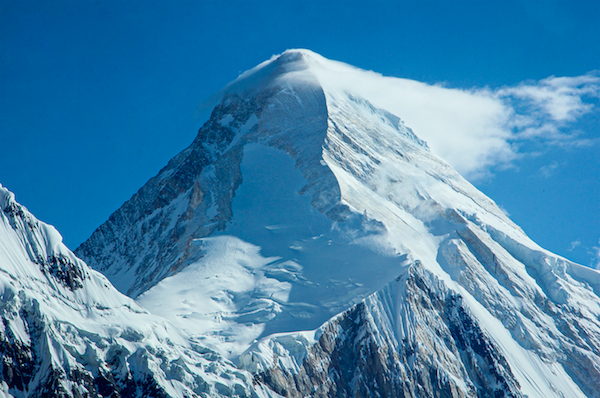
(280,264)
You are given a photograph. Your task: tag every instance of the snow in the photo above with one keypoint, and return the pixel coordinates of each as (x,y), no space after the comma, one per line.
(280,265)
(224,294)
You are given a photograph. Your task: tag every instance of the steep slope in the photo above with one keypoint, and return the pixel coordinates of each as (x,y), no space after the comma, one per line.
(300,200)
(66,332)
(383,347)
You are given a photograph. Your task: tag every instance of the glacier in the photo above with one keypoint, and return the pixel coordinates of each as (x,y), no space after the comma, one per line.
(308,243)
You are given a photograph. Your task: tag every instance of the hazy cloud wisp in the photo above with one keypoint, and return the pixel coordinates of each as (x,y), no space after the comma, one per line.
(596,256)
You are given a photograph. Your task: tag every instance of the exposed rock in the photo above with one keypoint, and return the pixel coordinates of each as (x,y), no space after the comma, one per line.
(360,353)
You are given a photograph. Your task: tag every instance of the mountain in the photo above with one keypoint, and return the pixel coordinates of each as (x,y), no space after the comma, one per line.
(314,241)
(67,332)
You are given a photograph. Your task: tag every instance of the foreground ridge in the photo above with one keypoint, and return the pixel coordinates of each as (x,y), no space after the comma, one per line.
(66,332)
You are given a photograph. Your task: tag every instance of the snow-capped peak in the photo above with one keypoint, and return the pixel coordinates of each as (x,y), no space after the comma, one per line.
(301,198)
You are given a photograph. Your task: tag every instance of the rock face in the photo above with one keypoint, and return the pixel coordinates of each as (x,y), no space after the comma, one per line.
(313,240)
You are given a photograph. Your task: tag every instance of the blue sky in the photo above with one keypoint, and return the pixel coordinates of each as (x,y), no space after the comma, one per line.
(97,96)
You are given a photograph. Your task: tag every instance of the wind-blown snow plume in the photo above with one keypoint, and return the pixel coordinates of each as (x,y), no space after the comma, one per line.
(487,124)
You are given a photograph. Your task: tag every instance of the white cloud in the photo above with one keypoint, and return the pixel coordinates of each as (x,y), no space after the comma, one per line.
(558,97)
(549,169)
(478,128)
(574,245)
(544,108)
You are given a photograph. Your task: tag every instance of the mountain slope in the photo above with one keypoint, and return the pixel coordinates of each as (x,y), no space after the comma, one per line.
(382,346)
(66,332)
(299,200)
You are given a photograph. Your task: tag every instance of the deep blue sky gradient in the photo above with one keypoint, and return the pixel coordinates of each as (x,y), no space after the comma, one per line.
(97,96)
